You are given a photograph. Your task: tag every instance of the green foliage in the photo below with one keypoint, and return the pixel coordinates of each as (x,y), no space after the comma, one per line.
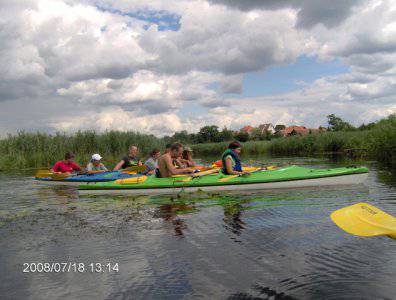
(33,150)
(216,149)
(379,141)
(242,136)
(337,124)
(279,127)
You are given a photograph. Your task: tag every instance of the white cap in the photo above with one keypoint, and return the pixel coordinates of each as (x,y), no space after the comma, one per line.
(96,157)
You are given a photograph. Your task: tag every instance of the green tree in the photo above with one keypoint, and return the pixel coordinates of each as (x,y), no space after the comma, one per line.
(279,127)
(208,134)
(181,136)
(337,124)
(226,135)
(242,136)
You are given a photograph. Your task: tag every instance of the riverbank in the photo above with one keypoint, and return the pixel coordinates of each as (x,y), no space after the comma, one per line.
(38,150)
(377,143)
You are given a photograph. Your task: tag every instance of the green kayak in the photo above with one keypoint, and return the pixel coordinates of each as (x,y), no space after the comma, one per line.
(288,177)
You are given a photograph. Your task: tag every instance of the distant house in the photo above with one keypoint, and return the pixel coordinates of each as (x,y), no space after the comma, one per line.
(299,130)
(248,129)
(294,130)
(264,128)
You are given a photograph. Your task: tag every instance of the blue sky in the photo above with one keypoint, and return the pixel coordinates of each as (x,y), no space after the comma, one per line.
(282,79)
(164,19)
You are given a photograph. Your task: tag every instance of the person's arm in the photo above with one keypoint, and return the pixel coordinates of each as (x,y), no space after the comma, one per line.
(175,171)
(75,167)
(191,164)
(90,171)
(140,163)
(119,165)
(228,165)
(55,168)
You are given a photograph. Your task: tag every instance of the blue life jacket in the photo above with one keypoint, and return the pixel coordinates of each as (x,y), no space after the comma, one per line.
(235,157)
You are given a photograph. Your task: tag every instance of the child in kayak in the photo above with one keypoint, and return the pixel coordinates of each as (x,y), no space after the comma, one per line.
(230,160)
(67,165)
(95,165)
(129,160)
(187,158)
(166,168)
(152,163)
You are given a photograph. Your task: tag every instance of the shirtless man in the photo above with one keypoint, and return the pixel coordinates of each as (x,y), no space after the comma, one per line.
(166,168)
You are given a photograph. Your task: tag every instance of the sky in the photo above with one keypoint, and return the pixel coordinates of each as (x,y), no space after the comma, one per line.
(163,66)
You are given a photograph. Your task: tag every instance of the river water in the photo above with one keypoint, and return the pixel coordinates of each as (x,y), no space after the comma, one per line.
(263,245)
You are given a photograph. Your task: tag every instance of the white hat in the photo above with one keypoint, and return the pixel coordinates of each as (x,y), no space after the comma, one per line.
(96,157)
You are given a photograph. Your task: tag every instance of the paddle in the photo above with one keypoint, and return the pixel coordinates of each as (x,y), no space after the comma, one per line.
(200,174)
(246,174)
(48,173)
(137,169)
(363,219)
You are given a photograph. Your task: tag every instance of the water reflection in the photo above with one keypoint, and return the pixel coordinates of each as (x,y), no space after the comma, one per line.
(262,245)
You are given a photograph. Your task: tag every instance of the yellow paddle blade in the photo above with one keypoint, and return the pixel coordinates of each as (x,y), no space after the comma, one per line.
(48,173)
(249,169)
(43,173)
(363,219)
(136,169)
(133,180)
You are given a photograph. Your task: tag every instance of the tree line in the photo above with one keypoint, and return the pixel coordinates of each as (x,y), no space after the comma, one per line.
(213,134)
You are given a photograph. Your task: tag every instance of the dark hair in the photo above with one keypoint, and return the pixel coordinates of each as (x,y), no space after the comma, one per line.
(167,146)
(69,155)
(154,151)
(234,145)
(185,154)
(176,146)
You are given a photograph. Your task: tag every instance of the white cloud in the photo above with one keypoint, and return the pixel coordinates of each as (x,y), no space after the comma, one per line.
(68,65)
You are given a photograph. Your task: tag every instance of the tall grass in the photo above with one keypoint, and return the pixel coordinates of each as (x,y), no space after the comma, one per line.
(34,150)
(380,142)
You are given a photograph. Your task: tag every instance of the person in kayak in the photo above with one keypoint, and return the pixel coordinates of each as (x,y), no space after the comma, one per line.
(187,158)
(95,165)
(152,163)
(129,160)
(167,148)
(230,160)
(166,167)
(67,165)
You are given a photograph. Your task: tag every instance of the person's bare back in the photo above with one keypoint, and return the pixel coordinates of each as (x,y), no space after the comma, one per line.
(165,163)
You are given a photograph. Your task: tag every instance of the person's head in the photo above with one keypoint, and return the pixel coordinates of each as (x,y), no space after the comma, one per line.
(187,153)
(168,148)
(235,146)
(155,154)
(95,159)
(176,150)
(133,151)
(69,156)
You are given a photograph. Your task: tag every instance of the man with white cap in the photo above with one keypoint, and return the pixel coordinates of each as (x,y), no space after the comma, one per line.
(95,165)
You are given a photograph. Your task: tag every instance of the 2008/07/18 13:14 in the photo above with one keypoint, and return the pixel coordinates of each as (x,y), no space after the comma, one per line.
(65,267)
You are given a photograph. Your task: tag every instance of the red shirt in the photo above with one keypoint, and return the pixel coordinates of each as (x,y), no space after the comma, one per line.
(64,167)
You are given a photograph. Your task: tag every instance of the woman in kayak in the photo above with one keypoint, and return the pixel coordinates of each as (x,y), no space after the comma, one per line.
(129,160)
(67,165)
(187,159)
(95,165)
(152,163)
(230,160)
